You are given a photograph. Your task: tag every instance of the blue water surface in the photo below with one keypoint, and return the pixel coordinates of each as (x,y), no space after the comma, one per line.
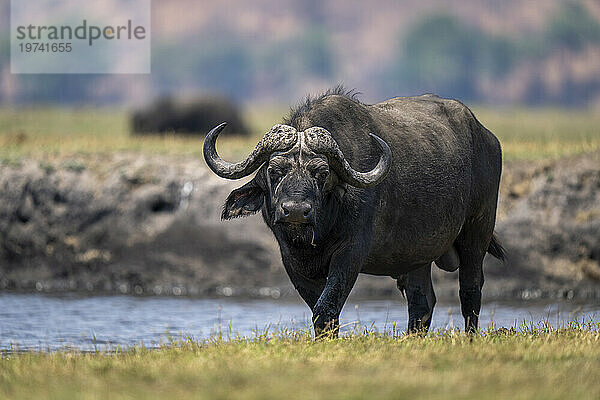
(49,322)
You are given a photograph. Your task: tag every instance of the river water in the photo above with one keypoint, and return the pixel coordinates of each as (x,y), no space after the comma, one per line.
(47,323)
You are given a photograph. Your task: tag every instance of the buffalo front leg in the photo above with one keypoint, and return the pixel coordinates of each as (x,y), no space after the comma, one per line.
(343,272)
(421,298)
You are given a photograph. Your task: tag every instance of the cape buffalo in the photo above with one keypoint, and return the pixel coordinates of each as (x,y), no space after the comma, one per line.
(187,116)
(428,194)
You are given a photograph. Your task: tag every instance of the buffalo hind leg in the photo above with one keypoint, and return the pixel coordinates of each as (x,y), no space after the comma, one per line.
(420,296)
(470,275)
(472,245)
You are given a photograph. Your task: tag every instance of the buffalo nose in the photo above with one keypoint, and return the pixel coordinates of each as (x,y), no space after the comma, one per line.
(296,211)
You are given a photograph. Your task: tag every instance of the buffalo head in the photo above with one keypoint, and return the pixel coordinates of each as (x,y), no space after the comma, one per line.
(300,171)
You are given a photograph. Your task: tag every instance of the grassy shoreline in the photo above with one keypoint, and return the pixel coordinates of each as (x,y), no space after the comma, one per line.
(534,362)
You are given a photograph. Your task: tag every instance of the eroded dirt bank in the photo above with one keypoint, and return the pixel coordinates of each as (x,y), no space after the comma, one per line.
(148,224)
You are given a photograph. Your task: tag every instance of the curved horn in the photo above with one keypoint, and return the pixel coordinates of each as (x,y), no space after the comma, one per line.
(321,141)
(280,137)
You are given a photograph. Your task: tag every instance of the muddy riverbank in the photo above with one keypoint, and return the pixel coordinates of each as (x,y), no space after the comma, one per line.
(149,224)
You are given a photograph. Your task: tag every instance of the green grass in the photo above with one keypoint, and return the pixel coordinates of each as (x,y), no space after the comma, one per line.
(542,133)
(48,132)
(536,363)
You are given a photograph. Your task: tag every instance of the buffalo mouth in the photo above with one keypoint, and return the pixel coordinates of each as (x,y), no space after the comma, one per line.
(295,224)
(299,234)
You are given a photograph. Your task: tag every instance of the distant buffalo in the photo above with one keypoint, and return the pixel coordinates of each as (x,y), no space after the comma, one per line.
(384,189)
(196,116)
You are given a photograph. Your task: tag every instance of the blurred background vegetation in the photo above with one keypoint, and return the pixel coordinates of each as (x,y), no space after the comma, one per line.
(529,68)
(518,52)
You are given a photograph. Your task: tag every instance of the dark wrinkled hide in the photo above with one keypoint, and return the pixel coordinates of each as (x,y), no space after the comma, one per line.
(438,203)
(190,117)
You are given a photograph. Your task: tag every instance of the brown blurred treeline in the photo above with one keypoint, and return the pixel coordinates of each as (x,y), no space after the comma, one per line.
(516,51)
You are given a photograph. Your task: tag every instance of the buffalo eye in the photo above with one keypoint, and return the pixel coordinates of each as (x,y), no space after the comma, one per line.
(275,174)
(321,174)
(277,168)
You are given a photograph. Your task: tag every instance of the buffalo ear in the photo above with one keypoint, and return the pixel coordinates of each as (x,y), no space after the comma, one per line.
(243,201)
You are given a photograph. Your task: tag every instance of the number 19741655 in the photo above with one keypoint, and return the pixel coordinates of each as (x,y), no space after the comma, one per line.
(37,47)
